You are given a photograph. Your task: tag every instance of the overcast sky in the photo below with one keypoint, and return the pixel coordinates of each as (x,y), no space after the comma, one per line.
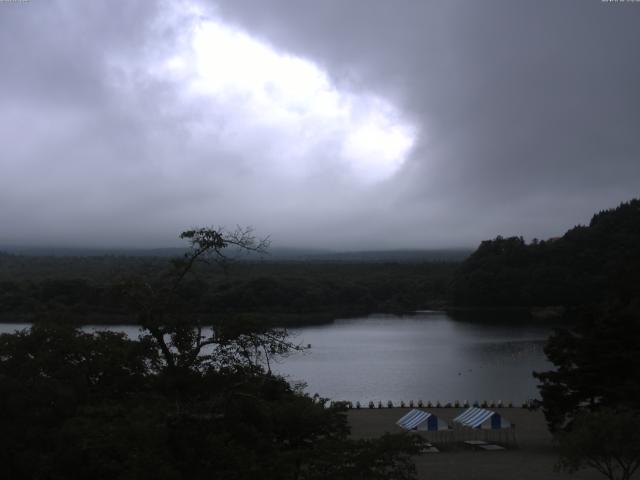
(340,124)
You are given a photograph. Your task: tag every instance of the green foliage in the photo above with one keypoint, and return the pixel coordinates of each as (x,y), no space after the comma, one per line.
(379,459)
(582,267)
(181,402)
(79,405)
(594,363)
(49,376)
(97,289)
(607,440)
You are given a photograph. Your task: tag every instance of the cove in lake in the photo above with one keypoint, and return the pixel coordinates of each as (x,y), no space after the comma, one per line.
(428,356)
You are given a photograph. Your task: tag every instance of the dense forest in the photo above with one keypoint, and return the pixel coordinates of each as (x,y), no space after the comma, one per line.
(177,403)
(97,288)
(584,266)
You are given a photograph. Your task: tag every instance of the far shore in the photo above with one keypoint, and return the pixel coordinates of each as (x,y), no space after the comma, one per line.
(296,320)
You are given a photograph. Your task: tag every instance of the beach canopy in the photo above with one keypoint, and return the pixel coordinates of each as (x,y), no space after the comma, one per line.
(420,420)
(480,418)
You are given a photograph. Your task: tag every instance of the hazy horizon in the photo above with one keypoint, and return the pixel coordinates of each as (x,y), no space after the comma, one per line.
(272,250)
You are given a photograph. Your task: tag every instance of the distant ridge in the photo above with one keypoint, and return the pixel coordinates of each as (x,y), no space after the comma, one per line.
(438,255)
(274,254)
(90,251)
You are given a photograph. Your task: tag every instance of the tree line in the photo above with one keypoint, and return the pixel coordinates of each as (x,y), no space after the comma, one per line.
(583,267)
(283,291)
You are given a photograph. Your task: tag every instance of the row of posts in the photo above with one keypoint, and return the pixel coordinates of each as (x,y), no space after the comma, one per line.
(420,404)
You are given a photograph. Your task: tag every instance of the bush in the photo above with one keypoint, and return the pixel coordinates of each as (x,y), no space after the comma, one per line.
(607,440)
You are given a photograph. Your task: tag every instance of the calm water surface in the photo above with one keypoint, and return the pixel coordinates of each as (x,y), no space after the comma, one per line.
(427,356)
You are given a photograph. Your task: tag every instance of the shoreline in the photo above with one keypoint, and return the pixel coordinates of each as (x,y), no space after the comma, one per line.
(534,315)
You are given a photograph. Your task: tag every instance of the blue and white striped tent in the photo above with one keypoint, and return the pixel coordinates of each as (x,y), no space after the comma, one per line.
(423,421)
(480,418)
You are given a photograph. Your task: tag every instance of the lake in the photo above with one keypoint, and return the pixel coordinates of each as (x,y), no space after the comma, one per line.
(427,356)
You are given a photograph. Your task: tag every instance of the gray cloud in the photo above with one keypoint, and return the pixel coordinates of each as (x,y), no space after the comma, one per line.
(528,116)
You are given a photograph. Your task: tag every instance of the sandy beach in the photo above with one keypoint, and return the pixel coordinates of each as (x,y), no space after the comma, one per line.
(532,458)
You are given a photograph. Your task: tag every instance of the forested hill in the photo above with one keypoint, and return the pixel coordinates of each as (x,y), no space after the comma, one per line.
(96,289)
(585,265)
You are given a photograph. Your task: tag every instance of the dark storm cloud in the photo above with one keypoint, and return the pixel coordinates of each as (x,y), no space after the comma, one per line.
(527,117)
(530,110)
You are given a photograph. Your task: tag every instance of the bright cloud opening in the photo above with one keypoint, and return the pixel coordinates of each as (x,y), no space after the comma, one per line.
(307,124)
